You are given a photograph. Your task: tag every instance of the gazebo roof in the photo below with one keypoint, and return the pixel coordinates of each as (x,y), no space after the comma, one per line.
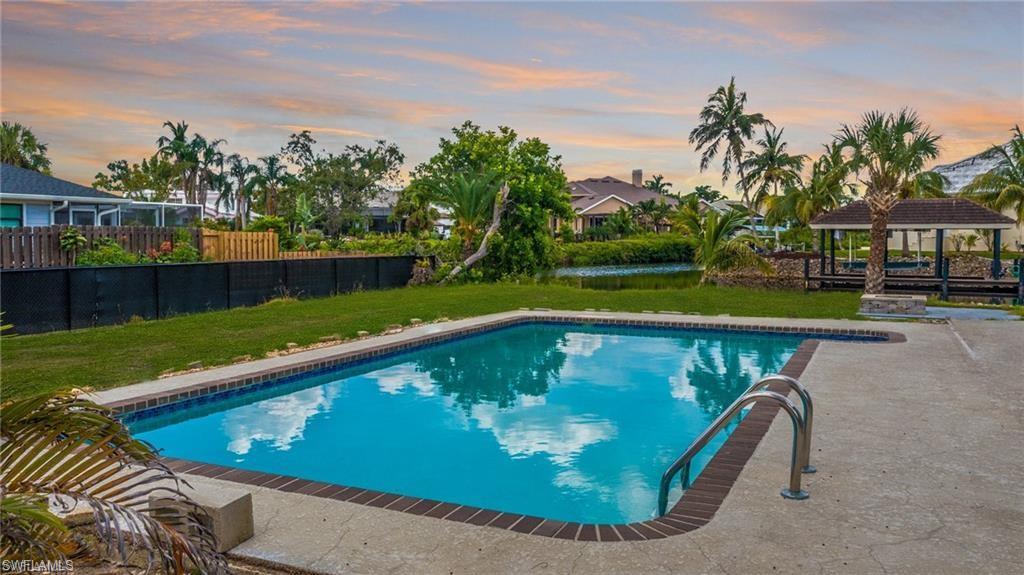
(917,214)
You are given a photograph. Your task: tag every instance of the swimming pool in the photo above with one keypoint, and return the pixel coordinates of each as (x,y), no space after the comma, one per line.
(565,422)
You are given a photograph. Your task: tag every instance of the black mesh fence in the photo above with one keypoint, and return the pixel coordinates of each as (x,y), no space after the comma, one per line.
(36,301)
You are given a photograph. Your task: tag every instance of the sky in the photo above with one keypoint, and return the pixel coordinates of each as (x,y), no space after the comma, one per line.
(610,86)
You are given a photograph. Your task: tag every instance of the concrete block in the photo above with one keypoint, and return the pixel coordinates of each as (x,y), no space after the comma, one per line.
(876,304)
(229,512)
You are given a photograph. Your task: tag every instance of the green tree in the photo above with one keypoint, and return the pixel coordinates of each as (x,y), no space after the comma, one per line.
(888,150)
(721,239)
(239,189)
(1002,187)
(154,175)
(415,206)
(470,201)
(707,194)
(537,192)
(198,162)
(826,189)
(770,169)
(725,123)
(20,147)
(658,184)
(271,177)
(340,186)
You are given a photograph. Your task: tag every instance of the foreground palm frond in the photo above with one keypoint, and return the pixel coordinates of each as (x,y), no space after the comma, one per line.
(63,452)
(722,243)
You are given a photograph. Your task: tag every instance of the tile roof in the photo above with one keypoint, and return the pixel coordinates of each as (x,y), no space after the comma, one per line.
(15,180)
(592,191)
(925,214)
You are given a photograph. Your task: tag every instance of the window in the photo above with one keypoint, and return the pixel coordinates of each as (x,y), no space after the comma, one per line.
(83,217)
(37,214)
(10,215)
(139,216)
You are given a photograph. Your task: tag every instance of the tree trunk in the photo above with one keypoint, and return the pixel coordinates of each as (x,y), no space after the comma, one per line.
(874,275)
(481,252)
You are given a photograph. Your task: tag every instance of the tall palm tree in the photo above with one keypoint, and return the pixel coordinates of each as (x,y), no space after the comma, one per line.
(826,189)
(210,165)
(1002,187)
(771,168)
(271,175)
(721,241)
(889,150)
(658,184)
(183,154)
(471,201)
(239,189)
(20,147)
(723,121)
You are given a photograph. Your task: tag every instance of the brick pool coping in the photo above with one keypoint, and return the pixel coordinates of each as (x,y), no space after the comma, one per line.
(695,508)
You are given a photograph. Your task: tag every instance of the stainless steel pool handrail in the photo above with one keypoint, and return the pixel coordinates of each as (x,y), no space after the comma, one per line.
(793,491)
(808,412)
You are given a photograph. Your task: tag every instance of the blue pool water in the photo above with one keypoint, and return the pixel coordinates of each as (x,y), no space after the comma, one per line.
(565,422)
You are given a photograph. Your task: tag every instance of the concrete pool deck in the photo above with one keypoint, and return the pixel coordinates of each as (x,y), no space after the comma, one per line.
(917,446)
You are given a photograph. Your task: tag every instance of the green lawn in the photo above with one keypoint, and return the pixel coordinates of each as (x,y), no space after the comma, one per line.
(111,356)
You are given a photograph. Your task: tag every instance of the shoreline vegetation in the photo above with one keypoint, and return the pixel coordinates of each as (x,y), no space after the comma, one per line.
(106,357)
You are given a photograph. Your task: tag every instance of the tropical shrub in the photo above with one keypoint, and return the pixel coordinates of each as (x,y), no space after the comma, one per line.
(662,248)
(276,223)
(106,252)
(91,462)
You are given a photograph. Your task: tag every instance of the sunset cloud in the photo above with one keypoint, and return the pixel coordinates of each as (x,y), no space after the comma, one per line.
(611,86)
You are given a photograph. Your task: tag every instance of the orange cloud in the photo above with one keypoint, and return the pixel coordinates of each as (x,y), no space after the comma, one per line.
(780,22)
(324,130)
(500,76)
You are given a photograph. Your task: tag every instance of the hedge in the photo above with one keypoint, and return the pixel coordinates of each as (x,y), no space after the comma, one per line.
(653,249)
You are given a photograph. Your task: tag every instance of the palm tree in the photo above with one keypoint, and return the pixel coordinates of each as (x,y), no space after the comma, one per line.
(889,150)
(415,205)
(769,169)
(658,184)
(63,451)
(1002,187)
(183,154)
(620,224)
(210,166)
(644,213)
(20,147)
(239,189)
(724,121)
(271,176)
(721,241)
(825,190)
(471,201)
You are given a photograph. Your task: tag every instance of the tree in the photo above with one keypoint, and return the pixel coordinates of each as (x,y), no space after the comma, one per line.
(646,214)
(707,194)
(271,176)
(240,188)
(658,184)
(1002,187)
(723,121)
(415,206)
(20,147)
(470,201)
(620,224)
(67,452)
(720,238)
(340,186)
(826,189)
(154,175)
(888,150)
(536,192)
(769,169)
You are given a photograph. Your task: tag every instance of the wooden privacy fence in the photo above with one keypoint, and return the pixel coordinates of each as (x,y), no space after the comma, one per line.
(39,247)
(239,246)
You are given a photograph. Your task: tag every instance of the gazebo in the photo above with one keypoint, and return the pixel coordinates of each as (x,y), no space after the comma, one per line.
(938,214)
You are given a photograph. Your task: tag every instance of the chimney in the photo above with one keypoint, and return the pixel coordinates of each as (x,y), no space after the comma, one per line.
(638,178)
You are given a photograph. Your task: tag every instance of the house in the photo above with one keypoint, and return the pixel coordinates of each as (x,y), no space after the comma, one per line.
(959,174)
(29,198)
(594,199)
(757,224)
